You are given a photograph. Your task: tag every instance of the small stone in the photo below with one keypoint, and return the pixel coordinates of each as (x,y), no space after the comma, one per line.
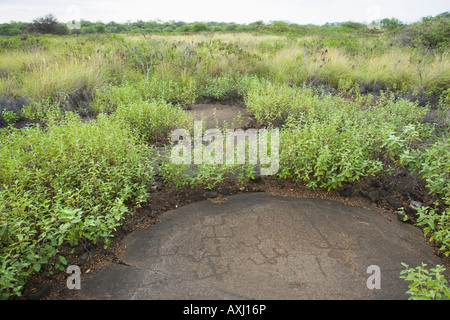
(394,202)
(415,205)
(40,292)
(373,196)
(384,192)
(79,250)
(153,210)
(212,194)
(84,257)
(363,193)
(155,186)
(346,192)
(404,193)
(128,227)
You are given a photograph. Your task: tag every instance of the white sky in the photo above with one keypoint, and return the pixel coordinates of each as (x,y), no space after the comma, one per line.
(239,11)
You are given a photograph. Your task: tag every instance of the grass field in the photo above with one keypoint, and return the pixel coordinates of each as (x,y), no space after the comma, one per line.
(80,115)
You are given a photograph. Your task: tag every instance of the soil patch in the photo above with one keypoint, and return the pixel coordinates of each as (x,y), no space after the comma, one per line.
(232,116)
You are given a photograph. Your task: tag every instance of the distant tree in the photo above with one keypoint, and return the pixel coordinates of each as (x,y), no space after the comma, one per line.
(199,27)
(167,29)
(391,24)
(87,30)
(431,32)
(138,24)
(353,25)
(44,24)
(231,27)
(114,27)
(257,26)
(75,31)
(279,26)
(7,29)
(100,27)
(48,24)
(61,29)
(184,28)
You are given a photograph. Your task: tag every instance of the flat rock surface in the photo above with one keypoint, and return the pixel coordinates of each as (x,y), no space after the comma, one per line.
(257,246)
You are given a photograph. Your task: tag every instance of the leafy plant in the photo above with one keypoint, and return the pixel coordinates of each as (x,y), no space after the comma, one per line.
(435,168)
(42,110)
(436,224)
(74,180)
(221,87)
(426,284)
(153,120)
(10,117)
(206,175)
(145,54)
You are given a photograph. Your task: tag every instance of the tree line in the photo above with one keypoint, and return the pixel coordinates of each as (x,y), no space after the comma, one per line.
(431,32)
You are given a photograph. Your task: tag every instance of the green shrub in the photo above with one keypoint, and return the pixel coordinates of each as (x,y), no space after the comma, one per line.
(431,32)
(327,140)
(180,92)
(326,154)
(436,223)
(204,175)
(147,106)
(153,120)
(435,167)
(426,284)
(208,173)
(111,96)
(221,87)
(273,103)
(74,180)
(10,117)
(42,110)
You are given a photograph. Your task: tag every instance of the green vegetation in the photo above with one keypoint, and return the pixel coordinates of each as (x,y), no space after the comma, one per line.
(80,115)
(426,284)
(69,181)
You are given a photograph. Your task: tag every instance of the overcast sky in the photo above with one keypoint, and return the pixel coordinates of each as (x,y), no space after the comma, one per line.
(239,11)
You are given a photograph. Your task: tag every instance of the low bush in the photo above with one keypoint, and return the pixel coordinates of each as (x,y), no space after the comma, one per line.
(146,106)
(180,92)
(204,175)
(326,155)
(73,180)
(10,110)
(222,87)
(42,111)
(273,103)
(327,140)
(426,284)
(153,120)
(435,167)
(436,225)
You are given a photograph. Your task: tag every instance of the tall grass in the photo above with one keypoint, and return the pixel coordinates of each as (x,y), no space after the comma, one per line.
(396,69)
(60,79)
(63,68)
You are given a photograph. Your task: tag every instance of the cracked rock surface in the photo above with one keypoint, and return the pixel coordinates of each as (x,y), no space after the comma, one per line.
(258,246)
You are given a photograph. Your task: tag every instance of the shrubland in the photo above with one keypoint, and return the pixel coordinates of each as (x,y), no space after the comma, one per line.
(80,116)
(69,181)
